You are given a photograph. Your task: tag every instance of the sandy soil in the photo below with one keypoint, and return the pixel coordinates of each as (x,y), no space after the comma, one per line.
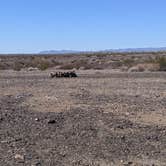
(101,118)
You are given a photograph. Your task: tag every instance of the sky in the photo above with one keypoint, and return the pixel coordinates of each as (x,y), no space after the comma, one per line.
(31,26)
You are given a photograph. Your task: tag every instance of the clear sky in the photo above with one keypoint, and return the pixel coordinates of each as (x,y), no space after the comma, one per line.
(37,25)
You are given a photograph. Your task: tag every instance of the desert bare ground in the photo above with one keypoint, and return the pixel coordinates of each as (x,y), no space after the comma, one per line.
(101,118)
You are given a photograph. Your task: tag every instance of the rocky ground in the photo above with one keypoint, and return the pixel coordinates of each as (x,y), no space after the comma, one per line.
(97,119)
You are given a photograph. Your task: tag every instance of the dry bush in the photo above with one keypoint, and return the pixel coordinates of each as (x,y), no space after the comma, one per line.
(144,67)
(77,65)
(128,62)
(67,67)
(43,65)
(152,67)
(140,68)
(2,66)
(162,63)
(53,62)
(40,63)
(17,66)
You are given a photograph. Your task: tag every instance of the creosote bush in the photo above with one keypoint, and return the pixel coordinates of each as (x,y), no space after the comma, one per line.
(17,66)
(43,65)
(128,62)
(162,63)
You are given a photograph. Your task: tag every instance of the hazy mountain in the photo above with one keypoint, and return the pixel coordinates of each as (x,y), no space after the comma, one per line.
(137,50)
(108,50)
(59,52)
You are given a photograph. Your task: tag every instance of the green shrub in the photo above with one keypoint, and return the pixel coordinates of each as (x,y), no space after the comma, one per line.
(162,63)
(17,66)
(43,65)
(128,62)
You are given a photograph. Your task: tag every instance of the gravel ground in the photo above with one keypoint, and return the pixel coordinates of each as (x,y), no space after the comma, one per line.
(99,119)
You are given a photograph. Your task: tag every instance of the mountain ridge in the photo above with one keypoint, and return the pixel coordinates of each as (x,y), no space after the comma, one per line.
(147,49)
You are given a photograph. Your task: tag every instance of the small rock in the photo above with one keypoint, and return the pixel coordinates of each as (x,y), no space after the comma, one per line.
(37,119)
(1,119)
(130,162)
(127,113)
(36,164)
(33,69)
(19,157)
(123,138)
(152,110)
(51,121)
(120,127)
(148,137)
(157,96)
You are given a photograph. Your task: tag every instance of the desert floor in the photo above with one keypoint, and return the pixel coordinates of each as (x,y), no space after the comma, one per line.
(101,118)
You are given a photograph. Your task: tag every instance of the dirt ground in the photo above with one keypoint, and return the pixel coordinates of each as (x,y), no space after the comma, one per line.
(101,118)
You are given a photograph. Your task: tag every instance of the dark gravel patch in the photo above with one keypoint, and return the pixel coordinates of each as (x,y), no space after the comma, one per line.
(77,137)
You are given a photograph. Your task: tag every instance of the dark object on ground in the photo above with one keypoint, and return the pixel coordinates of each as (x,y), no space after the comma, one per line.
(63,74)
(51,121)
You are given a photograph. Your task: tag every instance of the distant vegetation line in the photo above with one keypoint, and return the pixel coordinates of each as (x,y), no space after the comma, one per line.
(132,61)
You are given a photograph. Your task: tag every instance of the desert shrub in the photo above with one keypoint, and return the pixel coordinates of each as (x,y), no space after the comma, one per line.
(141,68)
(162,63)
(118,64)
(67,67)
(137,68)
(55,63)
(39,62)
(96,68)
(43,65)
(17,66)
(2,67)
(76,65)
(128,62)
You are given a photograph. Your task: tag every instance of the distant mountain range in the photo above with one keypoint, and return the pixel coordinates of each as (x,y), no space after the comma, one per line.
(108,50)
(137,50)
(59,52)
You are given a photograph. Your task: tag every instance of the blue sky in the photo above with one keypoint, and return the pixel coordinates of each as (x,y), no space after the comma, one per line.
(37,25)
